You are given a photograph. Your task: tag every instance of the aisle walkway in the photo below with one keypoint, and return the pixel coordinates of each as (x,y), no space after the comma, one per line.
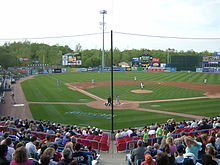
(113,157)
(20,109)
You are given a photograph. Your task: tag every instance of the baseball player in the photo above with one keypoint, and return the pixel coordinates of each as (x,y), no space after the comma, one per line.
(142,85)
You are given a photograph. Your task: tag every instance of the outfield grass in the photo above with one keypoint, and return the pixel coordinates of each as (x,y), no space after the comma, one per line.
(123,118)
(46,89)
(194,77)
(160,92)
(202,107)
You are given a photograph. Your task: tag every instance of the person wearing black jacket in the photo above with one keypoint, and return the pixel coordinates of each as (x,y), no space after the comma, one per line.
(109,101)
(80,156)
(3,153)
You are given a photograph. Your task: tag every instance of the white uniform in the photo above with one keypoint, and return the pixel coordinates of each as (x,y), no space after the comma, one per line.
(142,85)
(117,100)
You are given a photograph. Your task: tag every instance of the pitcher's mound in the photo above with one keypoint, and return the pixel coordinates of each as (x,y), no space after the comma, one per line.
(142,91)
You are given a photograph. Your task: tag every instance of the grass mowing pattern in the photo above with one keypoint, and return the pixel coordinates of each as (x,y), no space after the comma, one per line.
(202,107)
(159,92)
(123,119)
(193,77)
(46,89)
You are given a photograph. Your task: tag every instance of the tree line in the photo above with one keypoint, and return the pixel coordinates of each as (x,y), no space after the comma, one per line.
(52,55)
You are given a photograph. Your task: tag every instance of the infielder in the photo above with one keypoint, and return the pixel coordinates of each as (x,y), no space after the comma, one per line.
(142,85)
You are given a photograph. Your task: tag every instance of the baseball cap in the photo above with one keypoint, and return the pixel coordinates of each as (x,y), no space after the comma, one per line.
(180,148)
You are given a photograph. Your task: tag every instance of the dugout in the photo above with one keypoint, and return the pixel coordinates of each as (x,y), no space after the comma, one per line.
(186,63)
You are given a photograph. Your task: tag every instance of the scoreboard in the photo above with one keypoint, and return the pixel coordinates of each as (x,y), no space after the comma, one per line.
(71,59)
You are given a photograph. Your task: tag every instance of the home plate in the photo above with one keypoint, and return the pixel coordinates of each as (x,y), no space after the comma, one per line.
(18,105)
(119,104)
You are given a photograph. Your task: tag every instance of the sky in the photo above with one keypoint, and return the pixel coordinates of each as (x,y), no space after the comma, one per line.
(30,19)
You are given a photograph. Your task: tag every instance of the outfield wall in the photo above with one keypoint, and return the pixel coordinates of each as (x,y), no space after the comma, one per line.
(108,69)
(99,69)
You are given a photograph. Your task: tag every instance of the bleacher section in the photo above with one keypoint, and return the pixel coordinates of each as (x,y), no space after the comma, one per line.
(128,143)
(101,143)
(125,144)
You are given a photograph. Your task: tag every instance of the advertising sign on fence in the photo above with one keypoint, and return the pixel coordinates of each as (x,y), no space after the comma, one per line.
(73,70)
(81,69)
(134,68)
(45,71)
(199,69)
(128,68)
(63,70)
(57,71)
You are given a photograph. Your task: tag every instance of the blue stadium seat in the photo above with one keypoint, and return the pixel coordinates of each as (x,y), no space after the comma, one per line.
(140,160)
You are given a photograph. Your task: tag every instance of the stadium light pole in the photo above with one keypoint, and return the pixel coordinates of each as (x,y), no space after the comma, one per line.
(169,50)
(103,12)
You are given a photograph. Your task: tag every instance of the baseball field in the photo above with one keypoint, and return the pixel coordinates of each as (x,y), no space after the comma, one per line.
(74,98)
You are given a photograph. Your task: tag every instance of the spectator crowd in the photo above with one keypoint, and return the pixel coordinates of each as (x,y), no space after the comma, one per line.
(174,143)
(21,146)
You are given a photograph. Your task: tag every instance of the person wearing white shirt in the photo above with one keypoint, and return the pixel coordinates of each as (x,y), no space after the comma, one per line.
(129,132)
(124,133)
(217,124)
(85,132)
(152,132)
(118,134)
(217,141)
(194,124)
(31,148)
(11,150)
(180,150)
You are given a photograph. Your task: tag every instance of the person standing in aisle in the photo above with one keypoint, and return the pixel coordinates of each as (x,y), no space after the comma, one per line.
(13,98)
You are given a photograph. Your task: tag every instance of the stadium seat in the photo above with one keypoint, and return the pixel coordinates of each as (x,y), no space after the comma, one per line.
(95,145)
(139,161)
(87,142)
(120,145)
